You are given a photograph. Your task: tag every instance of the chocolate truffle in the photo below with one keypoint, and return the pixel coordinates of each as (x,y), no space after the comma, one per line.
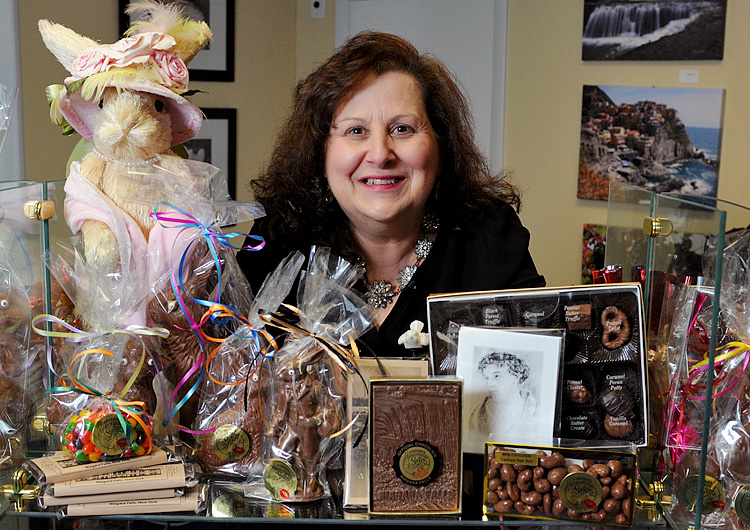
(577,392)
(617,402)
(578,317)
(579,426)
(618,426)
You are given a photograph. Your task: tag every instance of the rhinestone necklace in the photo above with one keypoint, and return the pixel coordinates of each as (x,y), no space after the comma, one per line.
(138,163)
(380,293)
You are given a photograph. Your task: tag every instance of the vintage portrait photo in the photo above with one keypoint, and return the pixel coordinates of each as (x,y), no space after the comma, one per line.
(510,385)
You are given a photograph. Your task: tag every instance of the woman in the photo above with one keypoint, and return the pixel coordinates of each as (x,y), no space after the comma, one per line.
(378,162)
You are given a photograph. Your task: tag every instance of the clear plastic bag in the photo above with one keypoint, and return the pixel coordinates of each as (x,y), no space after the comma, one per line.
(233,396)
(305,413)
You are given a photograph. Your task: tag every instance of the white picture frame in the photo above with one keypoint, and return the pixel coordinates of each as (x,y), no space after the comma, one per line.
(493,362)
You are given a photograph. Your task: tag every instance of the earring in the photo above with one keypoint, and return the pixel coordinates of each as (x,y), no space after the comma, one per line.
(430,223)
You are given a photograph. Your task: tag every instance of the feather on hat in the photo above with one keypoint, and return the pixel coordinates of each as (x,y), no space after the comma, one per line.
(152,58)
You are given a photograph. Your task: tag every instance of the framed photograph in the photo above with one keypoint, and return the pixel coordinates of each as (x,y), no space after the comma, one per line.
(216,144)
(510,386)
(657,30)
(594,249)
(660,139)
(216,61)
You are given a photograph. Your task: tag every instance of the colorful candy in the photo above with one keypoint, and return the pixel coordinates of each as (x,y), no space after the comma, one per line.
(91,436)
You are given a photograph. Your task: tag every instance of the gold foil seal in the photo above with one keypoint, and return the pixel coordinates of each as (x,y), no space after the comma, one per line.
(713,494)
(742,504)
(230,504)
(280,479)
(417,463)
(278,511)
(230,443)
(580,492)
(109,435)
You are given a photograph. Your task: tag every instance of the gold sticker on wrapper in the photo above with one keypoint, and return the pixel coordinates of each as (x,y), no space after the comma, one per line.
(109,436)
(230,443)
(230,504)
(278,511)
(280,479)
(742,504)
(713,494)
(417,463)
(510,457)
(580,492)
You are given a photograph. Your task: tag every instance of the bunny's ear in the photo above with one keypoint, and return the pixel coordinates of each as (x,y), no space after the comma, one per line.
(64,43)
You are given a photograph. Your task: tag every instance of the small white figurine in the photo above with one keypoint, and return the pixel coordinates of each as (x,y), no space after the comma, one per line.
(414,338)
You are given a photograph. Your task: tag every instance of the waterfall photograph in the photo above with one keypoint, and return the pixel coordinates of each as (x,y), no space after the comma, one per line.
(653,30)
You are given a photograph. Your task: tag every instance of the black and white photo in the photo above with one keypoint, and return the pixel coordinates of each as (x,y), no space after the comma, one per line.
(510,385)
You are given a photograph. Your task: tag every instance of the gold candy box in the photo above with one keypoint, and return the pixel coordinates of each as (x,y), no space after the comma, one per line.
(556,483)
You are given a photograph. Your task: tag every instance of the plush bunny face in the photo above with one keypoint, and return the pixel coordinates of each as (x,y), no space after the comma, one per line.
(132,126)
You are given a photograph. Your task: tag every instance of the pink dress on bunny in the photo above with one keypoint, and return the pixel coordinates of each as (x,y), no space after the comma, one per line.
(145,260)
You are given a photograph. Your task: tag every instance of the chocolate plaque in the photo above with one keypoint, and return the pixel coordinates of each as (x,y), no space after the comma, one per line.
(415,450)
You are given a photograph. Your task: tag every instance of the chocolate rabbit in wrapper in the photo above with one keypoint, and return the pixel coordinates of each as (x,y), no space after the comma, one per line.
(20,370)
(305,407)
(233,397)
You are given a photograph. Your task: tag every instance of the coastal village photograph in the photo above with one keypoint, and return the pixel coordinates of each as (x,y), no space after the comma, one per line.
(659,139)
(653,30)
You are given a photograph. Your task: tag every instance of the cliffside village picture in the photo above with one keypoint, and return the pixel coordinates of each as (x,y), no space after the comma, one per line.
(660,139)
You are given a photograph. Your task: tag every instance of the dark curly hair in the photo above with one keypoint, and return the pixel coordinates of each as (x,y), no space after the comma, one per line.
(516,367)
(294,189)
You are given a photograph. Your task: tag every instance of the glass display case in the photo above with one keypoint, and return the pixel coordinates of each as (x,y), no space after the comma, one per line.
(690,255)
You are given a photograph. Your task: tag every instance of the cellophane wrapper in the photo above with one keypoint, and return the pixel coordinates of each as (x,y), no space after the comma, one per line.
(727,467)
(233,396)
(305,410)
(20,349)
(104,356)
(197,271)
(125,435)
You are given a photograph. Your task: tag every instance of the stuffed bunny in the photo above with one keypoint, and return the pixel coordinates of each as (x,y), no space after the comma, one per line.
(127,98)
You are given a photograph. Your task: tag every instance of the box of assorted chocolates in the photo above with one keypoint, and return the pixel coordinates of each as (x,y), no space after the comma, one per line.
(415,446)
(558,483)
(603,394)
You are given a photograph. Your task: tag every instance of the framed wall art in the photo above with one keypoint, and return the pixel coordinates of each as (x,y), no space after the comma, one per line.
(657,30)
(216,61)
(216,144)
(660,139)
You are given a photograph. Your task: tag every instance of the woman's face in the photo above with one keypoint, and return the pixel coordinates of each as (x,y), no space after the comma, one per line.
(499,381)
(382,156)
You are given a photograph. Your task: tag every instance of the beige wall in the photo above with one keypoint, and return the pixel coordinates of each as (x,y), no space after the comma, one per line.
(543,105)
(278,43)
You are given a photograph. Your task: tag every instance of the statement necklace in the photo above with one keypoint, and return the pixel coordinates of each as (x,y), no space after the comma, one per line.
(138,163)
(380,293)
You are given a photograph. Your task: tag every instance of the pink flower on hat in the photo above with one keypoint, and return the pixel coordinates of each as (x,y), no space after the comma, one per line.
(172,70)
(139,48)
(92,61)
